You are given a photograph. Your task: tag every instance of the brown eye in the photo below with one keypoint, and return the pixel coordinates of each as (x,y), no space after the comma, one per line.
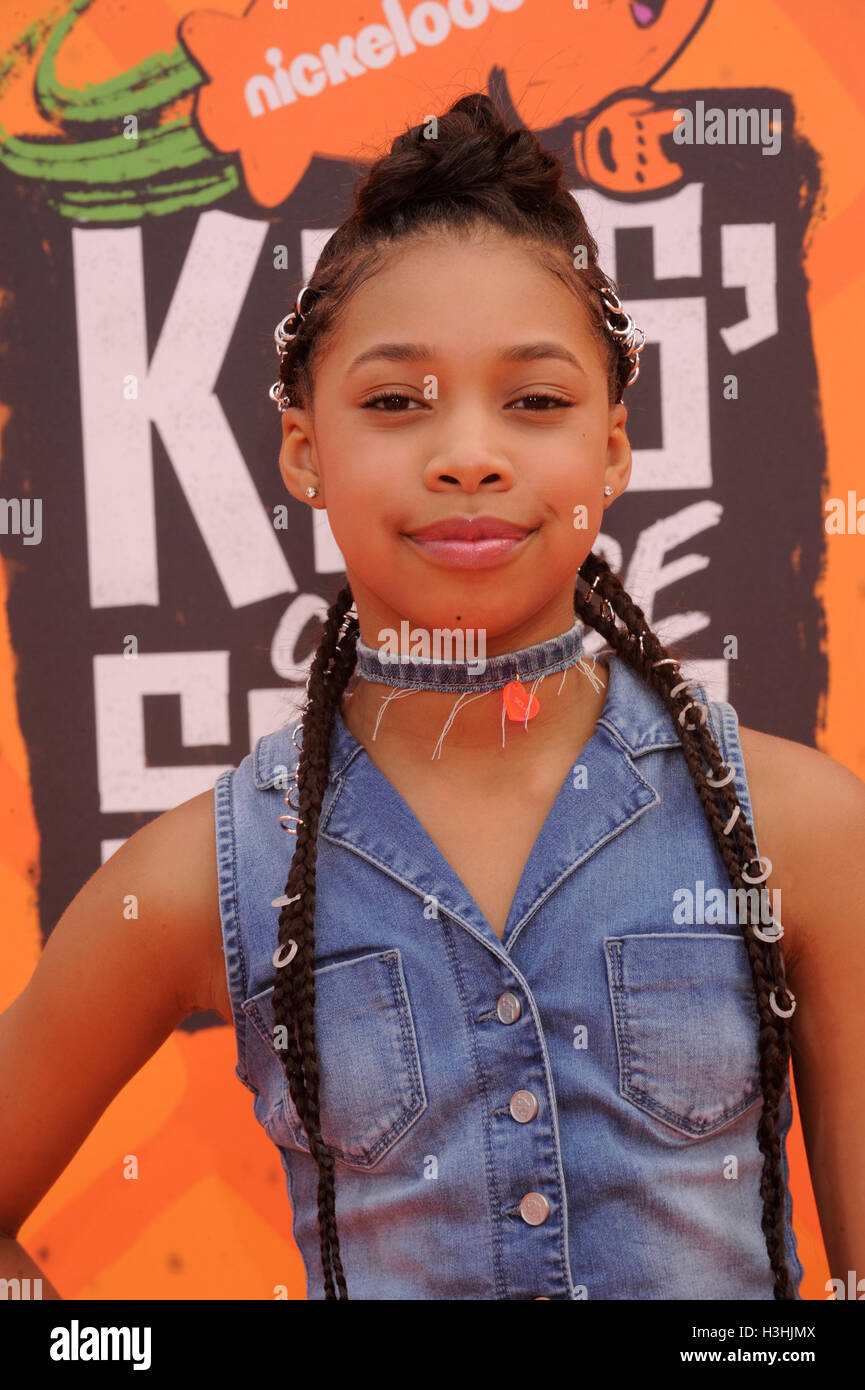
(389,396)
(543,396)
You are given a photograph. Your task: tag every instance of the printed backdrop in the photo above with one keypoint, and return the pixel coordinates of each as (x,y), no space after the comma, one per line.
(168,178)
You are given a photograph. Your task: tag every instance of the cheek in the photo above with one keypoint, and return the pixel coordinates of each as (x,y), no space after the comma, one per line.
(365,485)
(577,477)
(575,500)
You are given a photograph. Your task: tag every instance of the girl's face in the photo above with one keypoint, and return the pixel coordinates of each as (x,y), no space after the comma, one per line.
(484,333)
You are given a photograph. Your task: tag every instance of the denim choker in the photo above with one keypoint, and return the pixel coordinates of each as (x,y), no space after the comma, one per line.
(424,671)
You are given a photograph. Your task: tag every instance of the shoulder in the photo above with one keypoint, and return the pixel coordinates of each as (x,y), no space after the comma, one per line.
(173,859)
(809,820)
(779,766)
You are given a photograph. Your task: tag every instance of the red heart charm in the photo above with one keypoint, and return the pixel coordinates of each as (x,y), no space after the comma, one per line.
(516,699)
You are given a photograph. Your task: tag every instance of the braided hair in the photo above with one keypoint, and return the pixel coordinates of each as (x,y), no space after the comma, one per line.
(478,169)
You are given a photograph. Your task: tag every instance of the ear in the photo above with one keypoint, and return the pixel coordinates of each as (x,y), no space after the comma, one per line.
(617,471)
(297,457)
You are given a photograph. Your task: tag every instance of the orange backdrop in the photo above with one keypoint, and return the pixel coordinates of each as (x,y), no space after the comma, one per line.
(209,1217)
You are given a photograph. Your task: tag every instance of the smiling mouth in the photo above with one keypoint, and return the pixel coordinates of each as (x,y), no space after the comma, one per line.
(461,553)
(646,12)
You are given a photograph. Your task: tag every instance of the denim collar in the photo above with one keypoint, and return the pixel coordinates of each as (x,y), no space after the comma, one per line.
(454,677)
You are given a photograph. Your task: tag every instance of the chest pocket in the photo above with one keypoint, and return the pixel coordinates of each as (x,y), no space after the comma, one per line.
(371,1089)
(686,1027)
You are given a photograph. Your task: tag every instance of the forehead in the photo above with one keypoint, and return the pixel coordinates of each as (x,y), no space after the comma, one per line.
(469,289)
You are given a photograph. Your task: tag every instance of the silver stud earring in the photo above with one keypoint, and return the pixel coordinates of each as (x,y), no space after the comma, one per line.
(608,491)
(312,492)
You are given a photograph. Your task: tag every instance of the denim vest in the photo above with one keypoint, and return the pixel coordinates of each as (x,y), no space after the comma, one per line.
(567,1113)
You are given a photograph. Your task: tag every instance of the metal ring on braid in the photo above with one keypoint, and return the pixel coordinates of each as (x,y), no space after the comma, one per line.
(625,331)
(285,332)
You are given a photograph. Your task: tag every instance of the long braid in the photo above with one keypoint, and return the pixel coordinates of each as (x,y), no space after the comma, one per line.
(637,644)
(294,990)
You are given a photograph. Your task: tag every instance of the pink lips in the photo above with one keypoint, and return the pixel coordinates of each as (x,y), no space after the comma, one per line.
(470,542)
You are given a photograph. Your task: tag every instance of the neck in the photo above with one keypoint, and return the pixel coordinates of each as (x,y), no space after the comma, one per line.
(402,706)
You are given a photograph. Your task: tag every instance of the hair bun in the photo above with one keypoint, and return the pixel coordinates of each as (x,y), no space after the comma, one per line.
(472,152)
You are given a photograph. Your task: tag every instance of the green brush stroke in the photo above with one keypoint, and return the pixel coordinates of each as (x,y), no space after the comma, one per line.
(152,207)
(111,178)
(111,160)
(25,45)
(155,82)
(82,197)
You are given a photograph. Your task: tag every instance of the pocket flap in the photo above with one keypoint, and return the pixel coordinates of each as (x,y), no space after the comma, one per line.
(687,1027)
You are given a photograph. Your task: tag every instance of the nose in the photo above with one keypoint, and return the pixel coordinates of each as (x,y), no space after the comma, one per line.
(467,468)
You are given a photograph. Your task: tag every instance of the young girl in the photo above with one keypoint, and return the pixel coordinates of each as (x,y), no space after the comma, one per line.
(497,1059)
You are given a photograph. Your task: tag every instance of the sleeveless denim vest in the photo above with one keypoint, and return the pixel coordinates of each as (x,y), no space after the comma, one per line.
(567,1113)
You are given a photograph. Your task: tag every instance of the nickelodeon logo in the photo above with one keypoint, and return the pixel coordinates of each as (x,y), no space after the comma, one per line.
(275,57)
(375,46)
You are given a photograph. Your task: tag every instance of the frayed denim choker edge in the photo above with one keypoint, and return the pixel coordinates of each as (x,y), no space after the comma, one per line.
(454,677)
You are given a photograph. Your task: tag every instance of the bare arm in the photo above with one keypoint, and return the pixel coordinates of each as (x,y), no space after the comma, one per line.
(810,821)
(107,992)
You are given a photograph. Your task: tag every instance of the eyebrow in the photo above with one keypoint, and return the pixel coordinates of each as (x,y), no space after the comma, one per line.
(421,352)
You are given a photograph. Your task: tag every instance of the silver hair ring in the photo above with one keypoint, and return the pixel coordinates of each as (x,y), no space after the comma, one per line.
(637,350)
(710,781)
(287,828)
(760,859)
(284,333)
(284,901)
(683,685)
(782,1013)
(693,704)
(604,603)
(626,337)
(277,394)
(281,334)
(666,661)
(608,295)
(278,964)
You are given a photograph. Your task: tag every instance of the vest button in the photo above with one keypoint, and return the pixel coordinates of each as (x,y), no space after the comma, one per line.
(508,1007)
(524,1106)
(534,1208)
